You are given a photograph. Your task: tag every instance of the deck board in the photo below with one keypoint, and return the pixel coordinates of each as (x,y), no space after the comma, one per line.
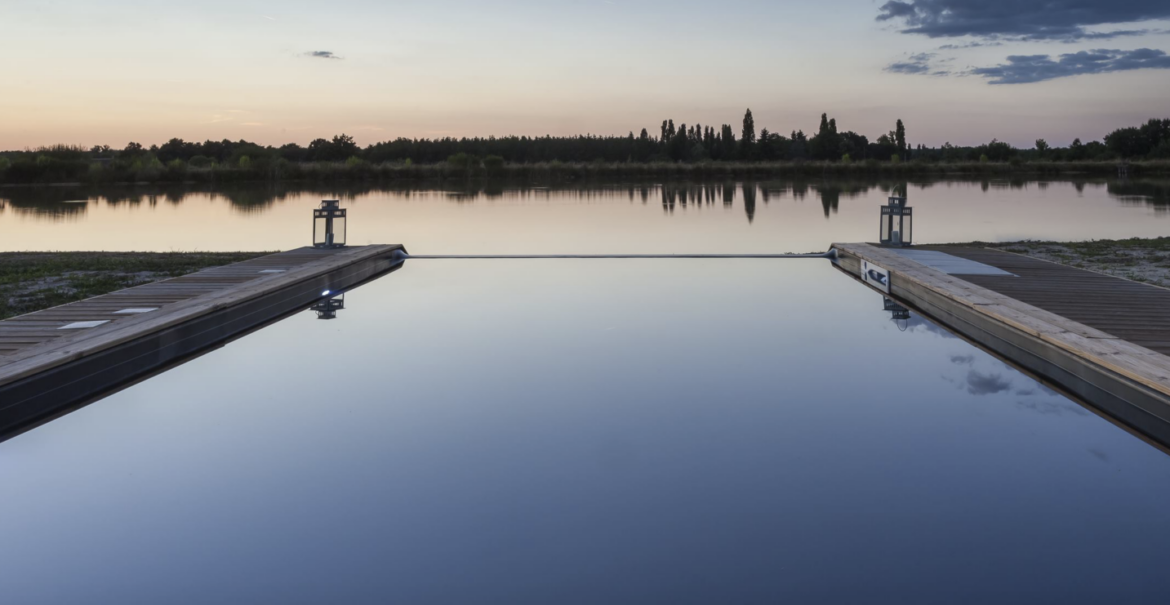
(39,331)
(1132,311)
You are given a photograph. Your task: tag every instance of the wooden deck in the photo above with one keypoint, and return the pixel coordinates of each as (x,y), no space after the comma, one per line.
(56,357)
(1101,338)
(1129,310)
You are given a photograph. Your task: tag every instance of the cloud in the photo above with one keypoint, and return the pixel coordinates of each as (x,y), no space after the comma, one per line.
(322,54)
(918,64)
(979,383)
(1025,69)
(969,45)
(1021,19)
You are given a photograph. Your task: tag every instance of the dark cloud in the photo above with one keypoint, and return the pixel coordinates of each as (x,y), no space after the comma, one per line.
(964,360)
(969,45)
(322,54)
(1021,19)
(979,383)
(915,64)
(1023,69)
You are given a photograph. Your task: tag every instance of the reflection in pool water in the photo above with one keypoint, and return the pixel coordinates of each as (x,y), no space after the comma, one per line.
(588,431)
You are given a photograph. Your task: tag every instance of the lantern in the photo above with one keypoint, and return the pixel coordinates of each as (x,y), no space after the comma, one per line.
(897,220)
(327,308)
(329,225)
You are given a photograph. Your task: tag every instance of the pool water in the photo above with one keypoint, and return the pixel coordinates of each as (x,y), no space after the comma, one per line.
(588,431)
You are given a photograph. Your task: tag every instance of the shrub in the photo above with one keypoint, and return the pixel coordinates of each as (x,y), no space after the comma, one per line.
(245,162)
(4,164)
(845,159)
(200,161)
(493,163)
(463,161)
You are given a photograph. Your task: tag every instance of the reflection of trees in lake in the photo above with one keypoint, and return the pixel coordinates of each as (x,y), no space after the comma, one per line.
(71,203)
(1145,192)
(749,200)
(53,203)
(831,194)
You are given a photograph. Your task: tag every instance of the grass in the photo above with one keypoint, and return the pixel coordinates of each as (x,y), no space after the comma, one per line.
(31,281)
(1136,259)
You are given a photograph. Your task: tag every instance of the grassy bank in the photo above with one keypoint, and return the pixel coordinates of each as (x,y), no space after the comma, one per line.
(31,281)
(279,170)
(1141,260)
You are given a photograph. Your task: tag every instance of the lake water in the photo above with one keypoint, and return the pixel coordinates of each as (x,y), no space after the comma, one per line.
(586,431)
(598,218)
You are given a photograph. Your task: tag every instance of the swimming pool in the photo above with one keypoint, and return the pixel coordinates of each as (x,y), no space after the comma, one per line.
(587,431)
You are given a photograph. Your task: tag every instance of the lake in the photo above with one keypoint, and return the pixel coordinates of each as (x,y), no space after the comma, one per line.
(588,218)
(587,431)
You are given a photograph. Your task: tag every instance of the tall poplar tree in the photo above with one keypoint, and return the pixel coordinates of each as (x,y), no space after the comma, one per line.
(748,136)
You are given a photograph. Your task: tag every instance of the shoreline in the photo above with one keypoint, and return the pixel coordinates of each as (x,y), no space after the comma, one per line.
(362,172)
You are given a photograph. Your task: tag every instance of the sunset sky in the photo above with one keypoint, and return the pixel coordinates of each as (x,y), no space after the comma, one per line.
(962,71)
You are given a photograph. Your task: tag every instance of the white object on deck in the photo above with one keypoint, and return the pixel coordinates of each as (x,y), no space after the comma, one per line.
(80,325)
(949,264)
(135,310)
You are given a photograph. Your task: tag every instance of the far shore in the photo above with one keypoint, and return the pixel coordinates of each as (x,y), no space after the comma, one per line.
(338,172)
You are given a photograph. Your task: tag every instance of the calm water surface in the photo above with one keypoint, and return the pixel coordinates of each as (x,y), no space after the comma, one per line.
(713,431)
(602,218)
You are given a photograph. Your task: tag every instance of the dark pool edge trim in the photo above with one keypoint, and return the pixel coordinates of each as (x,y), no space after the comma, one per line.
(1125,400)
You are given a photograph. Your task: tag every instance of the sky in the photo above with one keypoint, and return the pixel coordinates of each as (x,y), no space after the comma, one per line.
(958,71)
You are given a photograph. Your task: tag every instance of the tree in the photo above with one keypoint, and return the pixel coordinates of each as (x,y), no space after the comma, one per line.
(133,150)
(748,136)
(900,137)
(727,138)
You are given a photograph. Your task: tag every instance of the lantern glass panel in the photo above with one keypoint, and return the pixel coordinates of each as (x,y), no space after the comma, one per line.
(908,227)
(887,219)
(339,229)
(320,227)
(896,230)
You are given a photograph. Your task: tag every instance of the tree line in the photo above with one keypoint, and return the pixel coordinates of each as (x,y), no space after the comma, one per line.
(682,143)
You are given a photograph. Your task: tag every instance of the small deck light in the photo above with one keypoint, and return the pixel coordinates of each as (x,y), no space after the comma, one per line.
(327,308)
(329,225)
(897,219)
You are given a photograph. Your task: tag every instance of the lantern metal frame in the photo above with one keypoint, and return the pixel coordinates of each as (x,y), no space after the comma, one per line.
(897,223)
(325,218)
